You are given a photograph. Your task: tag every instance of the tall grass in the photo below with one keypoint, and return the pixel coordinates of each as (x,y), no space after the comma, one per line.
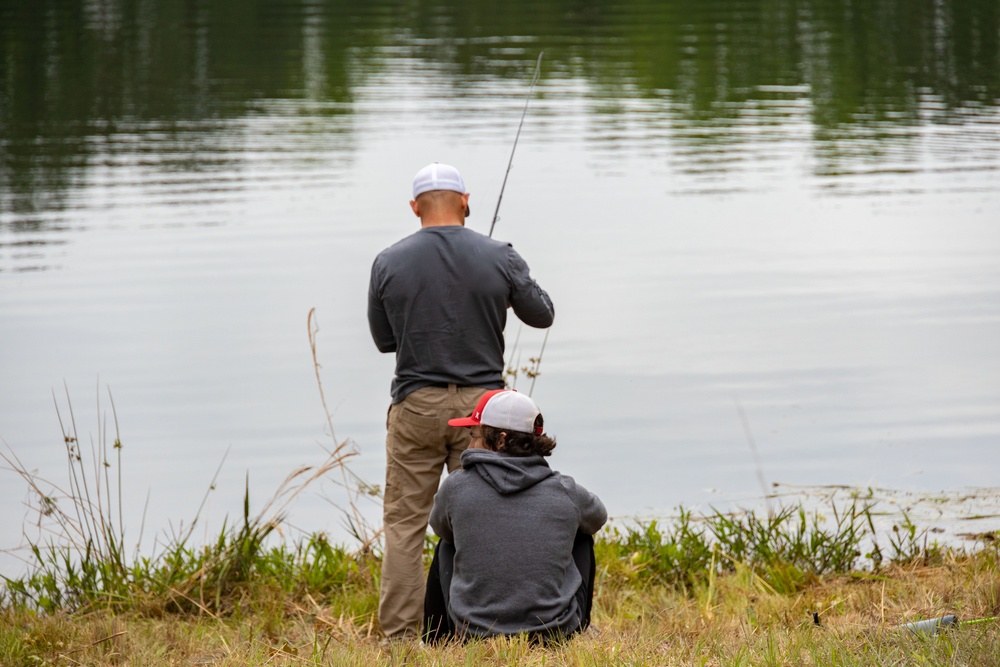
(79,559)
(80,552)
(82,563)
(786,548)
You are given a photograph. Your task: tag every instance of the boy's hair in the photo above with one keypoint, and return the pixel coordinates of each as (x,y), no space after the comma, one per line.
(519,443)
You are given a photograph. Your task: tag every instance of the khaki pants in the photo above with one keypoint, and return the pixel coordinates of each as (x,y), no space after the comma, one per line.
(418,444)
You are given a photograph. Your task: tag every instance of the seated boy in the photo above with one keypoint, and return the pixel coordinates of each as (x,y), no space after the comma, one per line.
(516,553)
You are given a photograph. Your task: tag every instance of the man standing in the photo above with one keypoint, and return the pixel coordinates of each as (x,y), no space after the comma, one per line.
(438,299)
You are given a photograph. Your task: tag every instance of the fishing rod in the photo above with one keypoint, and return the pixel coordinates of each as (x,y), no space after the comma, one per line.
(503,186)
(538,69)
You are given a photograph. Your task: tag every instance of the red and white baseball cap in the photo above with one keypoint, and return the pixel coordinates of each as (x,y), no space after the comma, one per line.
(503,408)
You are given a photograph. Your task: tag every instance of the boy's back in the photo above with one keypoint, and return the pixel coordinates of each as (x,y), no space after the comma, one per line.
(513,521)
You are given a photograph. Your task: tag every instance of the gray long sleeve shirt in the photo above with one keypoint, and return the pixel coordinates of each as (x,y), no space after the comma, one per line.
(438,299)
(513,521)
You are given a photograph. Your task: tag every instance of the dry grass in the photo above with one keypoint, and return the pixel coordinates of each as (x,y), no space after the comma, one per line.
(735,621)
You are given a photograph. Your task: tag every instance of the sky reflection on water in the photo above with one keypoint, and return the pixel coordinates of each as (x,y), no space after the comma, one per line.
(774,209)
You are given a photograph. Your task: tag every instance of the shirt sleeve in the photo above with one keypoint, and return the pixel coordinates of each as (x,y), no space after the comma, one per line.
(593,515)
(530,302)
(378,321)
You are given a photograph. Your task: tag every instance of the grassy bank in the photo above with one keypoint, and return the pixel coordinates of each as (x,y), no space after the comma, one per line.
(707,590)
(788,586)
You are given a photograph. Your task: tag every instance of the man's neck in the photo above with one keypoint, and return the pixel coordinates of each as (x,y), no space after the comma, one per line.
(447,221)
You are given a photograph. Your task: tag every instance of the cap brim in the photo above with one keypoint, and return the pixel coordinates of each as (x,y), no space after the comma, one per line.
(464,421)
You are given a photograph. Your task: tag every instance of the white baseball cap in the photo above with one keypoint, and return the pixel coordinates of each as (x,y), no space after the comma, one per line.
(503,408)
(436,176)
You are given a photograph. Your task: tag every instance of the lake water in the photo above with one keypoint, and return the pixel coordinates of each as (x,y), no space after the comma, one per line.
(788,210)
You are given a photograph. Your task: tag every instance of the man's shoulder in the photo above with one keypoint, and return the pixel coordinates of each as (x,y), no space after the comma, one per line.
(407,240)
(406,246)
(433,239)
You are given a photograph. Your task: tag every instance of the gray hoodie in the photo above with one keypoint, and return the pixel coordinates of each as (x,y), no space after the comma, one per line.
(513,521)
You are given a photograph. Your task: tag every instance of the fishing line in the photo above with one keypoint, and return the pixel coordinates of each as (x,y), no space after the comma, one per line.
(756,455)
(496,213)
(534,79)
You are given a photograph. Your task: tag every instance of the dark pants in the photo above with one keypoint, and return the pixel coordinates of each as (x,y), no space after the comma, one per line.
(438,625)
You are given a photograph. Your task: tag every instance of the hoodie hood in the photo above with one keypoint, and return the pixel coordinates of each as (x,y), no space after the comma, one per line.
(506,474)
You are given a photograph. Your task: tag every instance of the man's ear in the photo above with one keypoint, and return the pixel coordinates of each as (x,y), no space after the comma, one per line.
(415,206)
(501,441)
